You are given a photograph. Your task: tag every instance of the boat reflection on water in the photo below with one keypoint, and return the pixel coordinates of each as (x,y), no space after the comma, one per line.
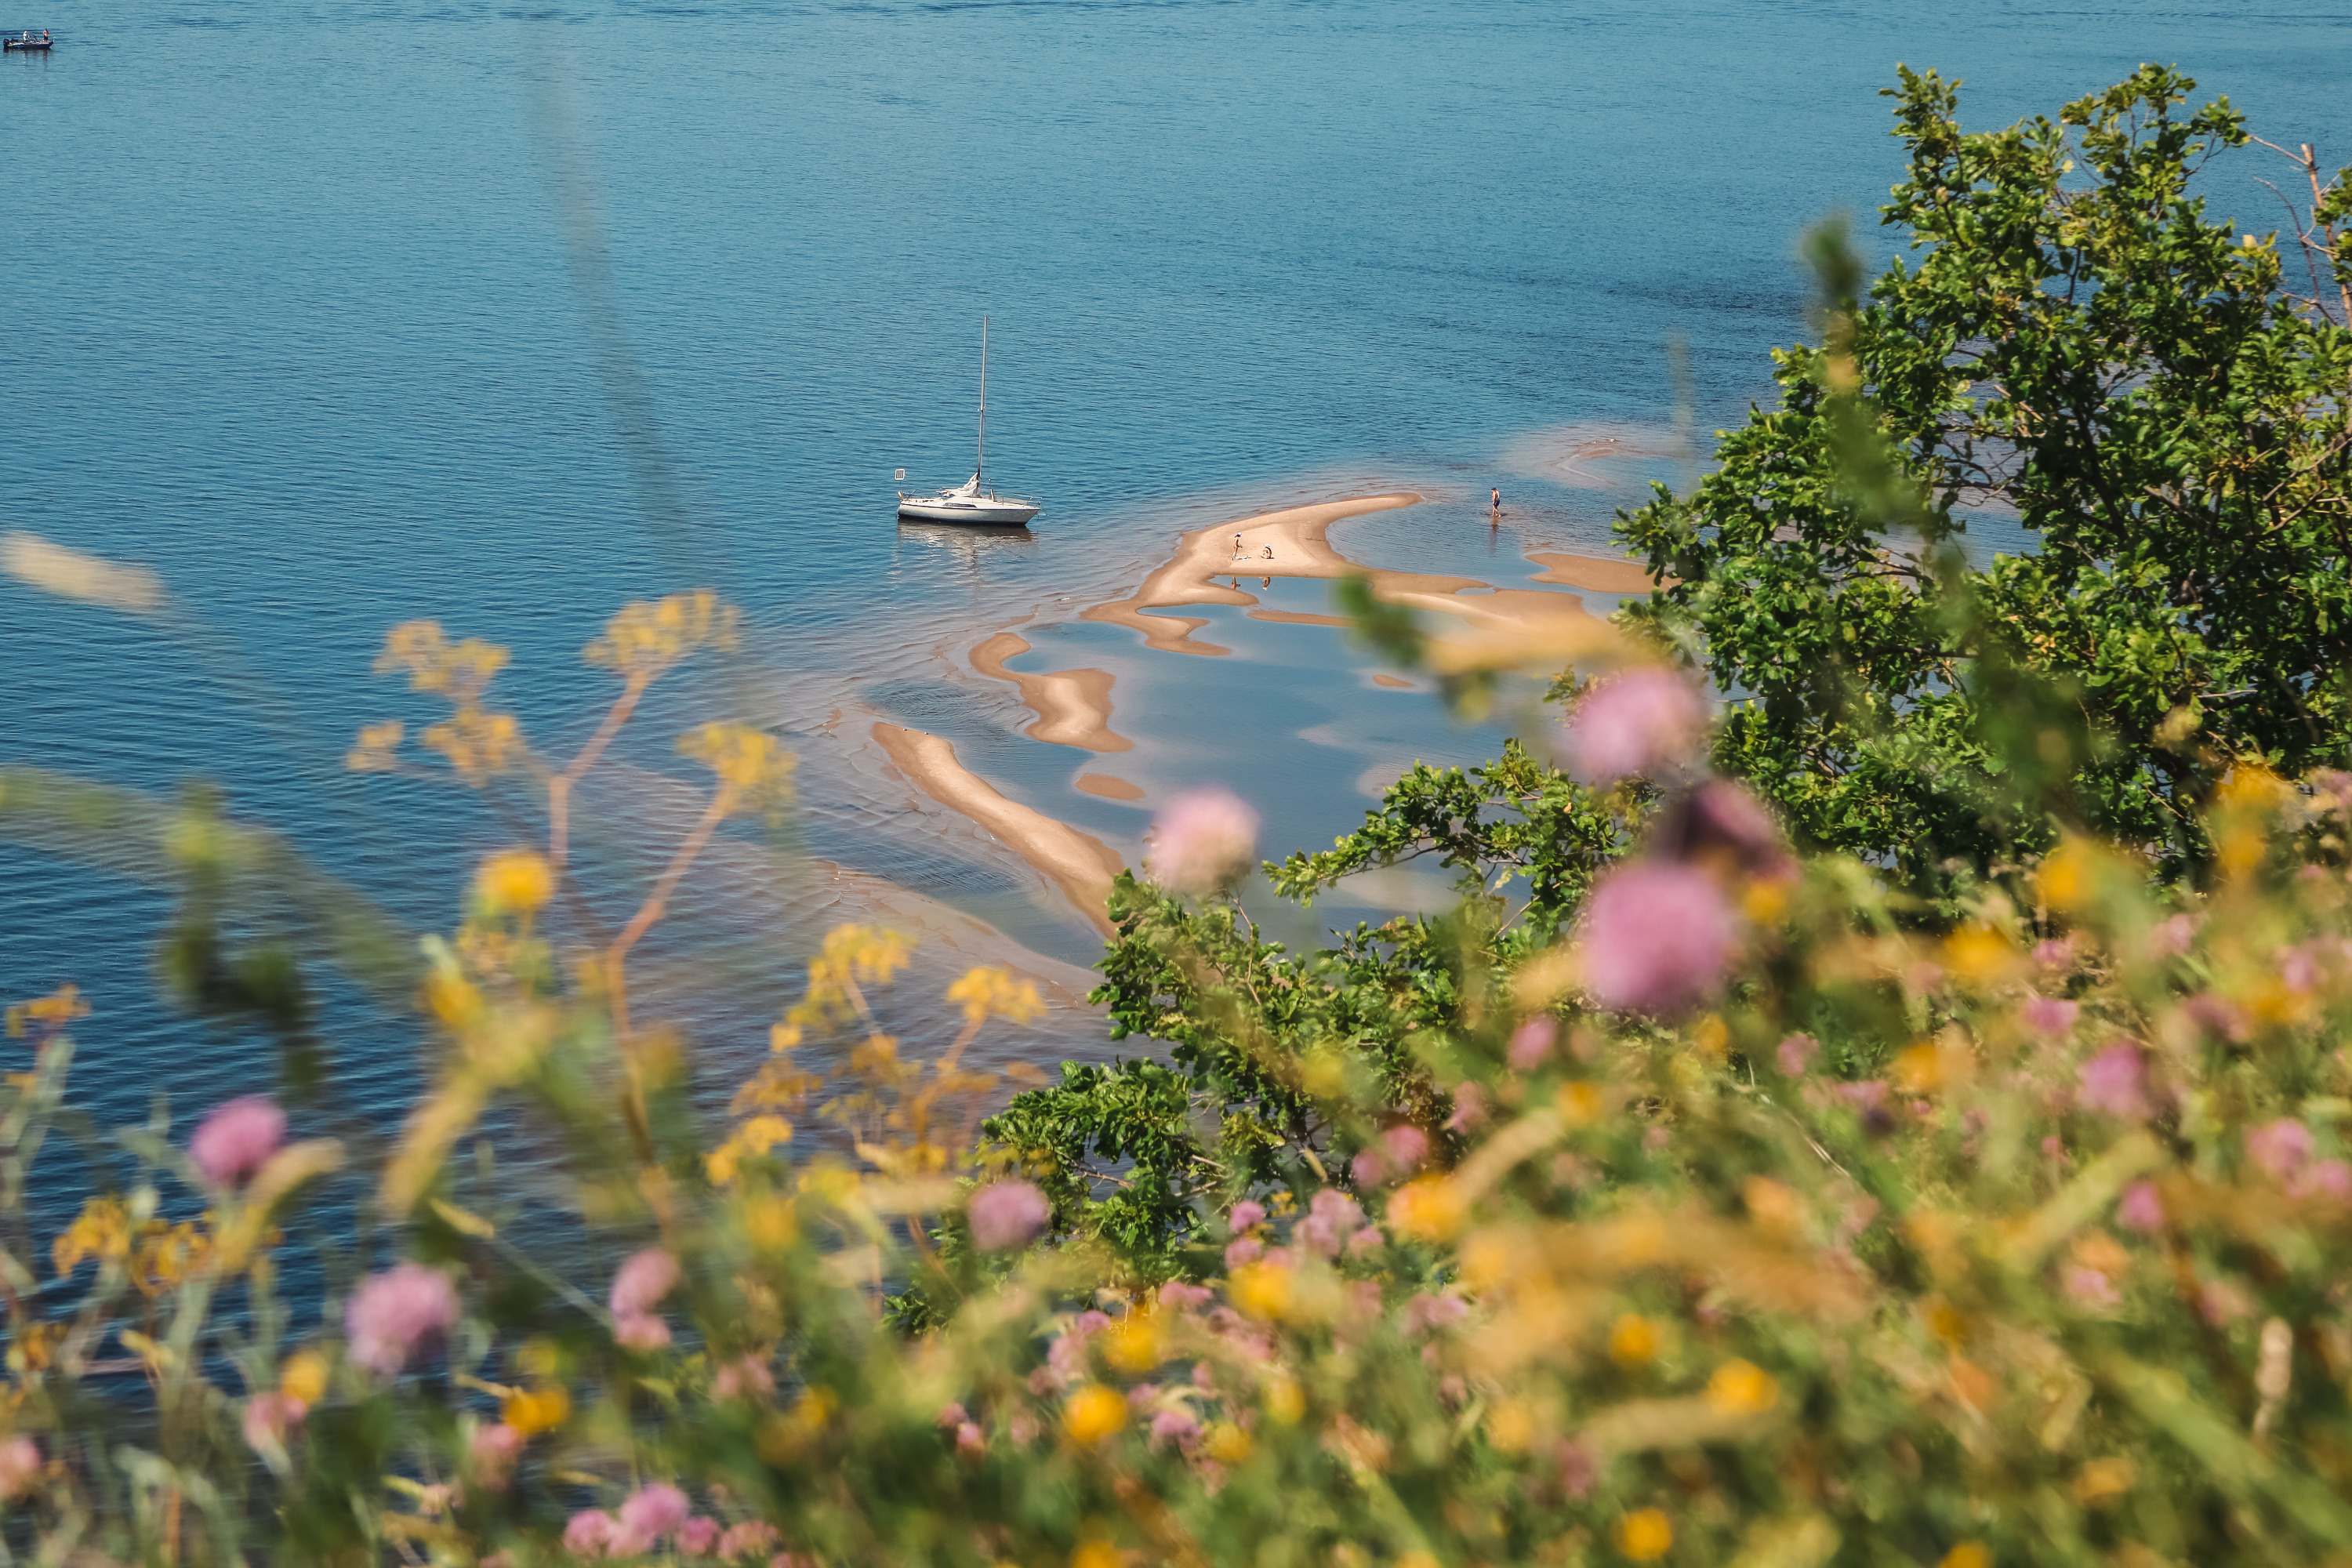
(972,543)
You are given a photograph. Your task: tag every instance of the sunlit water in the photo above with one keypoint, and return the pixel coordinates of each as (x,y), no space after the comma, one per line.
(292,316)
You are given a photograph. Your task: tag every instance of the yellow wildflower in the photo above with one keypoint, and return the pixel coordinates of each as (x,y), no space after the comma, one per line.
(102,1230)
(1096,1554)
(1428,1208)
(1966,1554)
(1645,1535)
(304,1377)
(1133,1343)
(514,881)
(534,1410)
(1742,1388)
(990,991)
(1582,1102)
(1093,1414)
(1227,1443)
(1260,1290)
(1634,1341)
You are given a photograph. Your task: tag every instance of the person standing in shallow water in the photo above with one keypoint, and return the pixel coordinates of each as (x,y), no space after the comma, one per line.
(1496,502)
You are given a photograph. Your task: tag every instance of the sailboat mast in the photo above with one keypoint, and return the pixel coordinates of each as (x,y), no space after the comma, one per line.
(980,465)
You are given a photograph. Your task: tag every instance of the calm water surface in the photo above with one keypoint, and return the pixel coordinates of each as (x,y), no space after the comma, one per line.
(297,315)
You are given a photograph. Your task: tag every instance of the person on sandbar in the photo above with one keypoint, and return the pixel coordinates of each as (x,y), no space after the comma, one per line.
(1237,547)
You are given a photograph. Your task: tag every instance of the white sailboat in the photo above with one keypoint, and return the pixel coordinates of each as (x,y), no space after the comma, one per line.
(970,502)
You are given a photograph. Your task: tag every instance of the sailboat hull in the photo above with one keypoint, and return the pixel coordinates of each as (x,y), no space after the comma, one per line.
(982,509)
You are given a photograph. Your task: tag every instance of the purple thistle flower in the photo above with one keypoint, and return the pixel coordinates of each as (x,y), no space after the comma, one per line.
(2115,1082)
(1531,1042)
(2142,1209)
(1634,724)
(656,1511)
(1006,1214)
(1657,938)
(2280,1147)
(392,1314)
(642,1281)
(2048,1016)
(1203,841)
(237,1139)
(1797,1053)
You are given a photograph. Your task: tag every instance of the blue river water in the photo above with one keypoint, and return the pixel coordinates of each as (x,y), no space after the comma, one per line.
(341,315)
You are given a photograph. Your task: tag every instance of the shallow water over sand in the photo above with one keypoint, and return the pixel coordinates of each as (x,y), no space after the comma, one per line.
(301,321)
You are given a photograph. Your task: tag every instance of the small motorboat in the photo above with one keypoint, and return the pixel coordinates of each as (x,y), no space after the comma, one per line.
(40,40)
(970,502)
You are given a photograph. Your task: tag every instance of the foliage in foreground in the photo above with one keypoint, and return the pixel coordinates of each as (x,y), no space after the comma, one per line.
(2063,1281)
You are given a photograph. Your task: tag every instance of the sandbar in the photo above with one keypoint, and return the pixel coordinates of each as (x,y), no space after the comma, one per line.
(1108,787)
(1382,678)
(1297,537)
(1081,865)
(1593,574)
(1073,706)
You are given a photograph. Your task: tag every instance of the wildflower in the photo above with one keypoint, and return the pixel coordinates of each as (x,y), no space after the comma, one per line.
(1203,841)
(1244,1251)
(698,1535)
(752,1535)
(514,881)
(2217,1016)
(1331,1218)
(2048,1016)
(269,1418)
(1645,1535)
(655,1511)
(1366,1241)
(2090,1288)
(237,1139)
(1176,1293)
(2141,1209)
(969,1438)
(1428,1209)
(2115,1082)
(1425,1314)
(533,1410)
(1006,1215)
(1247,1215)
(743,1378)
(1721,827)
(304,1377)
(20,1465)
(2171,938)
(494,1448)
(1260,1290)
(2280,1148)
(592,1533)
(641,1332)
(1634,1341)
(1469,1109)
(1093,1414)
(1405,1146)
(1796,1054)
(1579,1468)
(1634,724)
(642,1281)
(1966,1554)
(1531,1042)
(2329,1179)
(1175,1426)
(2055,953)
(1657,938)
(1367,1169)
(393,1313)
(1742,1388)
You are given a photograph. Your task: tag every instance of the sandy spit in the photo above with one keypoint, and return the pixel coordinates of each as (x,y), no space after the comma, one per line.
(1594,573)
(1108,787)
(1081,865)
(1296,538)
(1073,706)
